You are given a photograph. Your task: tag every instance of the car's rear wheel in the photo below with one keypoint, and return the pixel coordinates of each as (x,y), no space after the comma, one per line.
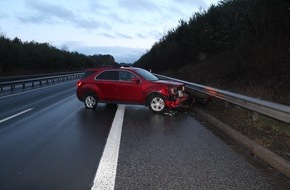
(157,103)
(90,101)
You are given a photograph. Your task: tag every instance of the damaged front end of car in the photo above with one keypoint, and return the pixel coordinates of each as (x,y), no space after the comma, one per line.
(178,97)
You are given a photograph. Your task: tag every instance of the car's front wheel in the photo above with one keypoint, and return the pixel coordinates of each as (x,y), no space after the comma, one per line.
(90,101)
(157,103)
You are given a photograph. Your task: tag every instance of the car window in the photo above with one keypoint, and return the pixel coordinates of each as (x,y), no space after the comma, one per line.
(126,76)
(87,73)
(147,75)
(108,75)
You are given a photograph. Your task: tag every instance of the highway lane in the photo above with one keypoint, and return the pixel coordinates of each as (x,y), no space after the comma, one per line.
(56,145)
(34,98)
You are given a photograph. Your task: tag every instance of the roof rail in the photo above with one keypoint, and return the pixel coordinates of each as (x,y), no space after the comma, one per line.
(106,66)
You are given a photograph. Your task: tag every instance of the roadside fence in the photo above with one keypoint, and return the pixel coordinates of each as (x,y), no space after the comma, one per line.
(270,109)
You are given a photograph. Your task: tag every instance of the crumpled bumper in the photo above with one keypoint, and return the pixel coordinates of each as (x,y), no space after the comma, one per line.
(176,102)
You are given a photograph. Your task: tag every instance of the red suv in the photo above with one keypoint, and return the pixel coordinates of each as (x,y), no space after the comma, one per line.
(129,85)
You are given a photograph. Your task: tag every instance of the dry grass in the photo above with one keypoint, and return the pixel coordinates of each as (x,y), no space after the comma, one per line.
(270,133)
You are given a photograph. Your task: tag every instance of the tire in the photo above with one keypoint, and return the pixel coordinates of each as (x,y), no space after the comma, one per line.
(157,103)
(90,101)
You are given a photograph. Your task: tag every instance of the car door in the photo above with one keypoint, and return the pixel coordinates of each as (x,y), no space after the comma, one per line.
(106,83)
(129,87)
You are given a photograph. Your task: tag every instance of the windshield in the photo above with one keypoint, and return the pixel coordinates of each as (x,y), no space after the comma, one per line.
(146,74)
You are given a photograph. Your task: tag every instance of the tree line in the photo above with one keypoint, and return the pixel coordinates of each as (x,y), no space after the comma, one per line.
(17,57)
(256,32)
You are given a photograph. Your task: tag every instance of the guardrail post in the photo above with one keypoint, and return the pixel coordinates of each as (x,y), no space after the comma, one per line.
(23,86)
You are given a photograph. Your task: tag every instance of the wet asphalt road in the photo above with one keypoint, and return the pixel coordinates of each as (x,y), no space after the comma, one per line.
(58,145)
(162,152)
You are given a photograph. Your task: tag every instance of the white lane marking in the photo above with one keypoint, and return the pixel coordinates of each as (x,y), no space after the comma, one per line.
(106,173)
(15,115)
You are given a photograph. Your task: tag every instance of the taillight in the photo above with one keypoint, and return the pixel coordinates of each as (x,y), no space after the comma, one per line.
(79,83)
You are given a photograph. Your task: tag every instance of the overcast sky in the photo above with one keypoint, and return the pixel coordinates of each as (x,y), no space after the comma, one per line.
(122,28)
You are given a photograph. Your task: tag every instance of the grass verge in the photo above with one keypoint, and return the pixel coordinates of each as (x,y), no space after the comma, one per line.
(270,133)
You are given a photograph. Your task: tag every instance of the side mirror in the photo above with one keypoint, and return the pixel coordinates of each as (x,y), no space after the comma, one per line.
(135,80)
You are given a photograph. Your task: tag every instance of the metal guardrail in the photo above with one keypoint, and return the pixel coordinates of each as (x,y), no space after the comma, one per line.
(270,109)
(39,80)
(32,76)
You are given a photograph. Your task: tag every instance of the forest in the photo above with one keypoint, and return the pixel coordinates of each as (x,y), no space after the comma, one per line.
(243,44)
(256,31)
(18,58)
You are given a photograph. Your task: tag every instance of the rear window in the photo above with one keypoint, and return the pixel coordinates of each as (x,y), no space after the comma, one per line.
(88,73)
(108,75)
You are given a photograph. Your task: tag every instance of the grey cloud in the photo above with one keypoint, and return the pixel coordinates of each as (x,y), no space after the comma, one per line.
(108,35)
(142,36)
(42,12)
(104,11)
(116,36)
(140,5)
(96,6)
(117,18)
(151,34)
(3,15)
(89,24)
(51,10)
(120,35)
